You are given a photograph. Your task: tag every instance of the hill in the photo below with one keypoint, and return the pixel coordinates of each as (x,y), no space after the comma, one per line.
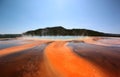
(61,31)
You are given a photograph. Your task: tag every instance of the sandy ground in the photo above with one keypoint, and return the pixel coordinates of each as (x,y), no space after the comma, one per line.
(89,57)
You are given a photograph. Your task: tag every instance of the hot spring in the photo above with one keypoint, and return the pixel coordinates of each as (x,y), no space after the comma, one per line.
(54,37)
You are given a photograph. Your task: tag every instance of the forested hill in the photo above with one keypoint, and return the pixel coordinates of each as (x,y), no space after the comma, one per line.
(55,31)
(10,35)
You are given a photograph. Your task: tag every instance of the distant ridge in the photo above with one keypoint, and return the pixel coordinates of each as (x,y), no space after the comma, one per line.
(61,31)
(10,35)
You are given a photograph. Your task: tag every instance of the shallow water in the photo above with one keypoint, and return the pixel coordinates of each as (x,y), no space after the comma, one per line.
(11,43)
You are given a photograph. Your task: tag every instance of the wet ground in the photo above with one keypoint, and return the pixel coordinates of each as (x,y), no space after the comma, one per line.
(28,58)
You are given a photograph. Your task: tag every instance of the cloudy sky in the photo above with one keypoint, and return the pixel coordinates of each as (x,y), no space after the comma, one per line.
(18,16)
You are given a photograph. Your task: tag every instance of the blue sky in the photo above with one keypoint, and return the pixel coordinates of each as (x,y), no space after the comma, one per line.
(18,16)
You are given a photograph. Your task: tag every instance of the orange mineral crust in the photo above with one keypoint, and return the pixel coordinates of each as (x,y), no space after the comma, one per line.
(68,64)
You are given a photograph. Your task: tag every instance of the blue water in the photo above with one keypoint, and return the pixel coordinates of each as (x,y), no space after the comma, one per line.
(55,37)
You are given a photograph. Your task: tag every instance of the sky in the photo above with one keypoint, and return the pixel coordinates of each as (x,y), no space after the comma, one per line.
(18,16)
